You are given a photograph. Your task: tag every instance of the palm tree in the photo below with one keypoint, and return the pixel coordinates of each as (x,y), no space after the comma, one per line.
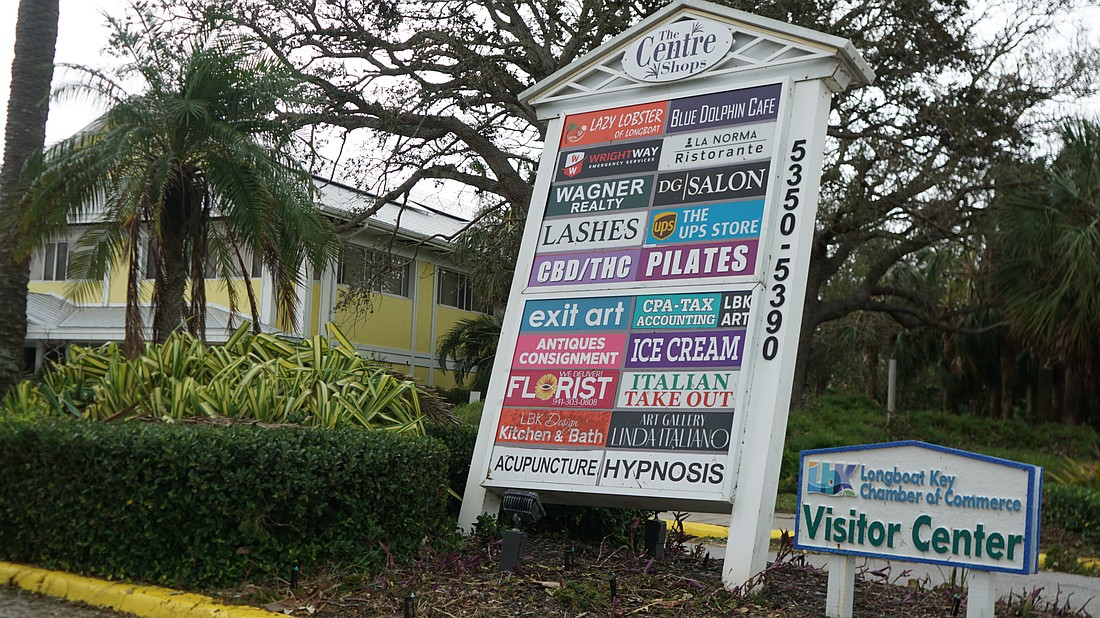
(1049,262)
(24,134)
(197,165)
(471,344)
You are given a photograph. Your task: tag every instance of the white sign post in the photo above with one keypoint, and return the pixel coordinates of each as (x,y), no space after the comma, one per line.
(649,343)
(918,502)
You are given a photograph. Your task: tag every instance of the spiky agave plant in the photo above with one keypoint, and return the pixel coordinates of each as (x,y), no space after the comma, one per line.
(252,377)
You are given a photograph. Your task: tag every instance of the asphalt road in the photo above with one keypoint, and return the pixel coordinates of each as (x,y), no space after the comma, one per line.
(16,603)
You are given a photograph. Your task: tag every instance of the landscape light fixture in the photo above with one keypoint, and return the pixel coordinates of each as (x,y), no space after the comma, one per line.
(520,507)
(523,507)
(655,532)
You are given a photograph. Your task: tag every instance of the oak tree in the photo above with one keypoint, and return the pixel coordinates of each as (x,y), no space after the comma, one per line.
(912,161)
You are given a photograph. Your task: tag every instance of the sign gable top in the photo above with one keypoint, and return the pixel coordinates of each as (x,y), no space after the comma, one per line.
(758,43)
(1008,463)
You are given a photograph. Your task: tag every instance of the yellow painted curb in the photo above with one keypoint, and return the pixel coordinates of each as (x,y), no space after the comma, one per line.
(1088,563)
(713,531)
(144,601)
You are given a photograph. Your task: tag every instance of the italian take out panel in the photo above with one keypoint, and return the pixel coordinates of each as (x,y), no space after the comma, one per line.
(627,364)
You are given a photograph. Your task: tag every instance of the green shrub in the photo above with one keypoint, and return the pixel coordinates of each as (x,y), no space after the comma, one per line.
(469,413)
(1083,473)
(455,396)
(460,441)
(1073,508)
(257,377)
(199,505)
(591,523)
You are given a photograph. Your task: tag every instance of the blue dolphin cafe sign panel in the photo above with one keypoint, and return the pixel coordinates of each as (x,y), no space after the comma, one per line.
(920,502)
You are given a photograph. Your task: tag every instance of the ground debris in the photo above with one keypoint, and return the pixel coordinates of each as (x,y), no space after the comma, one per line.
(468,583)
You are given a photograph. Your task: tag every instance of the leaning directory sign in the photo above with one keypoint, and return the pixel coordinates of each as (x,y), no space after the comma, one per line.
(648,347)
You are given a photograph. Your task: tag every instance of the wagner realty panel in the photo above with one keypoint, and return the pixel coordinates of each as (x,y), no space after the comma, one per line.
(634,392)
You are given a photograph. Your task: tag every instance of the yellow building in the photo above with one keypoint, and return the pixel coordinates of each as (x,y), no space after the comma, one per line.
(401,252)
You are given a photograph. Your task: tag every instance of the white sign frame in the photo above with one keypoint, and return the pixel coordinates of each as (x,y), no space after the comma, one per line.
(777,283)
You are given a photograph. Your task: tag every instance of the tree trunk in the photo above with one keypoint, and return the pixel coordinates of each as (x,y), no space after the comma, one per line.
(1029,403)
(1008,377)
(810,319)
(1056,393)
(171,282)
(870,368)
(1071,402)
(25,134)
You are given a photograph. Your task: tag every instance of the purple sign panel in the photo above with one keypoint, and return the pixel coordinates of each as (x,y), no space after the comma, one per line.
(721,259)
(723,109)
(609,160)
(584,268)
(712,184)
(672,350)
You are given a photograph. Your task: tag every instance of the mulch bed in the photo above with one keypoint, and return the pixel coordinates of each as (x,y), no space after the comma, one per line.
(686,582)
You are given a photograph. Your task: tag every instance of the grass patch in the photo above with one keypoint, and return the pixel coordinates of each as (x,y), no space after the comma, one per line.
(846,420)
(469,413)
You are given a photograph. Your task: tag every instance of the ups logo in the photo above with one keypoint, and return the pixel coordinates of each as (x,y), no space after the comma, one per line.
(664,225)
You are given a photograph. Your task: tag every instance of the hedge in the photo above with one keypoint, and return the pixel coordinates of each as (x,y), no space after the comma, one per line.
(1073,508)
(200,506)
(460,441)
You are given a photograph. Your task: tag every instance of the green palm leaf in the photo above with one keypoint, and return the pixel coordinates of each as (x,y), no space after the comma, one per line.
(198,162)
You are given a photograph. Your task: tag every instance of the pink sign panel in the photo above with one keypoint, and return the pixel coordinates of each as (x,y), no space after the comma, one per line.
(558,350)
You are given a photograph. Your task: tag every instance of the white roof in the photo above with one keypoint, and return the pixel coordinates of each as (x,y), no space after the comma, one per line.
(53,318)
(412,220)
(416,221)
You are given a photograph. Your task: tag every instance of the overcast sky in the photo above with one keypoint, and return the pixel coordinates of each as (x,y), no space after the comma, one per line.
(81,35)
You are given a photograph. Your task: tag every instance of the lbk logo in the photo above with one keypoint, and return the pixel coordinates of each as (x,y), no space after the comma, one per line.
(664,224)
(830,478)
(574,162)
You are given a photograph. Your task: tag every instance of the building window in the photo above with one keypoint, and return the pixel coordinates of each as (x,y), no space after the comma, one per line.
(376,270)
(55,262)
(455,290)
